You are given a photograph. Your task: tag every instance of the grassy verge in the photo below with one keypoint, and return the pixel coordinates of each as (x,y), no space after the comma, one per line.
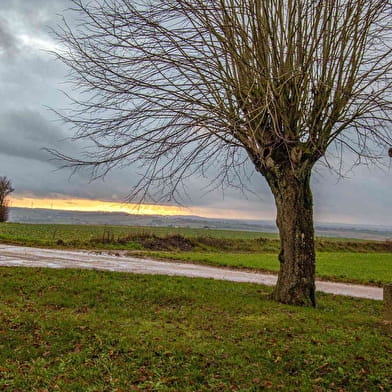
(94,331)
(365,268)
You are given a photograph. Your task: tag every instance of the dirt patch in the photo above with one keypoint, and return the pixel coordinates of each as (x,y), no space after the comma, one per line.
(170,242)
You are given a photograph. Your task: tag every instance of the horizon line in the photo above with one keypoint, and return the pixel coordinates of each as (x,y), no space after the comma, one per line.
(149,210)
(90,205)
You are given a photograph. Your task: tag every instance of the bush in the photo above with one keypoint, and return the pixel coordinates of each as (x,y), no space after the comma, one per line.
(5,190)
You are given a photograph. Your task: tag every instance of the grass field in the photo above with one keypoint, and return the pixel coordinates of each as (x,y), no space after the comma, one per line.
(367,268)
(50,232)
(368,262)
(126,237)
(93,331)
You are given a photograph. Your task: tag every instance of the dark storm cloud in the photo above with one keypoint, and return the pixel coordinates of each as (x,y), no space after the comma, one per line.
(26,133)
(8,42)
(30,80)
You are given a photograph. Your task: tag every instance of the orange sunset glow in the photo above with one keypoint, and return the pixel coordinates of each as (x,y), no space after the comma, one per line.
(128,208)
(96,205)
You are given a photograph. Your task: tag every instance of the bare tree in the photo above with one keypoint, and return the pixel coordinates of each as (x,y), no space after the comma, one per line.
(181,85)
(5,190)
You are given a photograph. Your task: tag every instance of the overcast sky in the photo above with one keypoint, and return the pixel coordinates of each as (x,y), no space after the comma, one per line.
(31,80)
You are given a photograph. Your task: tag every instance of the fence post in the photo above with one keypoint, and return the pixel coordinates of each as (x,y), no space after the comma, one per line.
(388,303)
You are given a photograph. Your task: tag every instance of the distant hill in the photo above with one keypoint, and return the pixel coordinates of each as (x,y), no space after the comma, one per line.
(36,215)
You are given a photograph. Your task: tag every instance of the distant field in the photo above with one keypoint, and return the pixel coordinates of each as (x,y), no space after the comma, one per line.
(48,233)
(78,331)
(127,237)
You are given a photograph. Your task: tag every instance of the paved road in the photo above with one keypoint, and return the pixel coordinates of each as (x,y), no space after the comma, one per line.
(17,256)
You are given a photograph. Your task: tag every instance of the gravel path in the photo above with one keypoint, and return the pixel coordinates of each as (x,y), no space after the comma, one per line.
(17,256)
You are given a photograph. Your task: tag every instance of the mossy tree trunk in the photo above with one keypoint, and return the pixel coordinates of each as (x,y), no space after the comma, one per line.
(294,202)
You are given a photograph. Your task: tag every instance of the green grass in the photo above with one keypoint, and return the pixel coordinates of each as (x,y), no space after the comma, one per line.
(368,262)
(130,238)
(49,233)
(367,268)
(94,331)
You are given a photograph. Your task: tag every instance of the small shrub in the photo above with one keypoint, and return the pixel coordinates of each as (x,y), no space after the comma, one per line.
(5,190)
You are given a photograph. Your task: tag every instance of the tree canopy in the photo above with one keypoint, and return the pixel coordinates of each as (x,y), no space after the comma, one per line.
(177,86)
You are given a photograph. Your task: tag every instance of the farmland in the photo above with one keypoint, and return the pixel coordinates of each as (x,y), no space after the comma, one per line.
(368,262)
(73,331)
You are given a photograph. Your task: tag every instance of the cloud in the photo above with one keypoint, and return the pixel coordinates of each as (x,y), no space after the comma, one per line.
(8,42)
(26,133)
(34,13)
(364,197)
(25,25)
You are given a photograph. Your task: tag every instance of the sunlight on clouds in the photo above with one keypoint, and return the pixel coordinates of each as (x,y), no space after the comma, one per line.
(128,208)
(95,205)
(38,43)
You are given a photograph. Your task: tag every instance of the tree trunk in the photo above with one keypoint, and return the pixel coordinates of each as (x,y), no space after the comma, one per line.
(293,198)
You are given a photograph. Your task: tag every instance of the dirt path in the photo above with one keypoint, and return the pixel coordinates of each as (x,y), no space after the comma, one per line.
(17,256)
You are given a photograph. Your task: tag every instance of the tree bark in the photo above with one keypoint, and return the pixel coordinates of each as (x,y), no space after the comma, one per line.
(294,202)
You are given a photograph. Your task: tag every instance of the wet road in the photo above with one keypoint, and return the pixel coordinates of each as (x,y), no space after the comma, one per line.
(17,256)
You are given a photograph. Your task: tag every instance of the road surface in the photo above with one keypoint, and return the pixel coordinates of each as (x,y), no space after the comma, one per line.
(18,256)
